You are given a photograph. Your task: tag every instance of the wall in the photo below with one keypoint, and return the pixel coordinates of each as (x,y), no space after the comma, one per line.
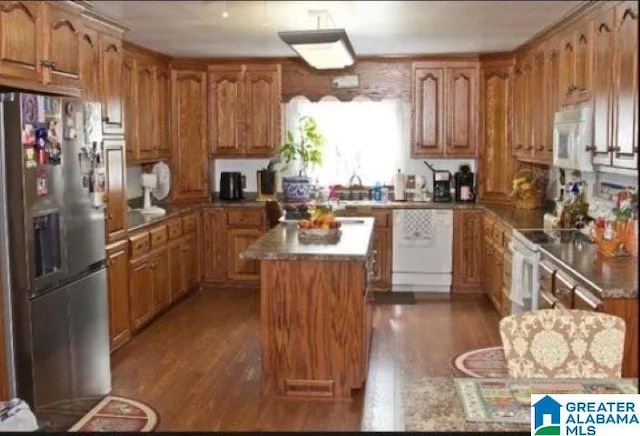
(134,189)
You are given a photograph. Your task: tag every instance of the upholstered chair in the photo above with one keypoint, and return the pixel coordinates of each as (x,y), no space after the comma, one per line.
(563,343)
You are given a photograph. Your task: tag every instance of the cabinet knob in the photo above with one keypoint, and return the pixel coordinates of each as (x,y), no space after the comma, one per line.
(540,147)
(46,64)
(52,65)
(636,150)
(105,119)
(518,147)
(109,216)
(529,147)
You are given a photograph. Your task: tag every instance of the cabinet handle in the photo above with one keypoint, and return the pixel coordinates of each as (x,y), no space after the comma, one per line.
(109,216)
(46,64)
(518,147)
(52,65)
(571,89)
(540,147)
(614,148)
(590,148)
(529,147)
(105,119)
(636,150)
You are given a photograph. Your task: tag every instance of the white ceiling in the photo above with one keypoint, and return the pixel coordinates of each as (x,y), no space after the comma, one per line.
(196,28)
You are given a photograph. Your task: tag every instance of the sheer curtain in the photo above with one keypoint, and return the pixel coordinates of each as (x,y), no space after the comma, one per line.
(364,137)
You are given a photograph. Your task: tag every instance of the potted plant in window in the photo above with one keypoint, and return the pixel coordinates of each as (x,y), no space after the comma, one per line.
(307,150)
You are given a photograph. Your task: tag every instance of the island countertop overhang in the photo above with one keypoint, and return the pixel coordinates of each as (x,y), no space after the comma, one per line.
(282,243)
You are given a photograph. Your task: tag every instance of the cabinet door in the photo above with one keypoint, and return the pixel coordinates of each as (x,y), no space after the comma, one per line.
(494,181)
(116,188)
(584,60)
(567,67)
(527,114)
(487,264)
(382,256)
(118,282)
(214,253)
(112,104)
(462,87)
(518,111)
(63,26)
(21,39)
(129,94)
(141,280)
(145,102)
(225,83)
(161,281)
(552,83)
(239,240)
(603,89)
(428,112)
(90,65)
(261,103)
(467,250)
(189,154)
(496,279)
(189,252)
(175,271)
(163,111)
(539,109)
(626,97)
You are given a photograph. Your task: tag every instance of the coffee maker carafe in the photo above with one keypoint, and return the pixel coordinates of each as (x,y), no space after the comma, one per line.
(464,184)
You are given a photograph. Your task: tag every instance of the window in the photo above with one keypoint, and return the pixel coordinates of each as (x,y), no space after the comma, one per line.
(363,137)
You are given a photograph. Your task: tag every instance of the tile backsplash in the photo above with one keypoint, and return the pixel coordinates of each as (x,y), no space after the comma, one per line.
(134,188)
(249,167)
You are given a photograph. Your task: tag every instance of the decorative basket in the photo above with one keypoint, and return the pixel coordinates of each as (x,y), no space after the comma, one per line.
(531,197)
(529,202)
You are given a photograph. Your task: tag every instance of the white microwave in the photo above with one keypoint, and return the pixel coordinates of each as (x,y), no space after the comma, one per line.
(572,137)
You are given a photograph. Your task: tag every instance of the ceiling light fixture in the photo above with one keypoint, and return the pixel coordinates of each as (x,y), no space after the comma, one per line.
(323,49)
(225,12)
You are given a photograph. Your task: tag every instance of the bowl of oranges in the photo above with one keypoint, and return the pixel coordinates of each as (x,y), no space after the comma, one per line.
(322,224)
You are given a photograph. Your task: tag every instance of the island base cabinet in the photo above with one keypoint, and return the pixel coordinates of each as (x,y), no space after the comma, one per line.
(314,327)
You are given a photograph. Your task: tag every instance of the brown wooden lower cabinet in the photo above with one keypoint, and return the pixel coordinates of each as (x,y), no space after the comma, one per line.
(141,291)
(161,281)
(118,283)
(467,250)
(228,232)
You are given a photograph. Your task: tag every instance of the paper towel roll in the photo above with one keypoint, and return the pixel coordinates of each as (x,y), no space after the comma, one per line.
(399,184)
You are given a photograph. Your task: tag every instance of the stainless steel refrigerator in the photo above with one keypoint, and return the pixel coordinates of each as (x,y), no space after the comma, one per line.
(51,184)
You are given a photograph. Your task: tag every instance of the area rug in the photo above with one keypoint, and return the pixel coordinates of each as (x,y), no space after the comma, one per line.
(509,401)
(482,363)
(117,414)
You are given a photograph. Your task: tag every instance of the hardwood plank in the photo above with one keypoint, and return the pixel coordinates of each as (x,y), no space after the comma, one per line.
(199,365)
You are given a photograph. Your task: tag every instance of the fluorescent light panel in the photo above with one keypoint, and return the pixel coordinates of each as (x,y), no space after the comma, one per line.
(322,49)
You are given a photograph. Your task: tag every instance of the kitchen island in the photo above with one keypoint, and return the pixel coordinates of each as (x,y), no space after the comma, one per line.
(315,317)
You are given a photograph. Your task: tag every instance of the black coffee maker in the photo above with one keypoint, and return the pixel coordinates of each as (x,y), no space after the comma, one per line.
(231,186)
(463,180)
(441,184)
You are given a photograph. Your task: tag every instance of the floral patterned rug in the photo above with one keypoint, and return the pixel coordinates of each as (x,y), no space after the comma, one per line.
(117,414)
(482,363)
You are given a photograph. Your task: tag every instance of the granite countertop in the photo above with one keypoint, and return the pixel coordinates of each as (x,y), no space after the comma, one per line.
(612,277)
(518,218)
(282,243)
(137,221)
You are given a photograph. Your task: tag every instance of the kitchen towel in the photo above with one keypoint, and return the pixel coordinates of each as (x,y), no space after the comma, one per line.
(15,415)
(520,277)
(417,226)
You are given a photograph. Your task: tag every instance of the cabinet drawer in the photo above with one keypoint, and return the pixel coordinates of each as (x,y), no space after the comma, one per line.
(158,236)
(563,290)
(546,300)
(381,218)
(545,277)
(139,244)
(189,223)
(487,225)
(175,228)
(585,300)
(246,218)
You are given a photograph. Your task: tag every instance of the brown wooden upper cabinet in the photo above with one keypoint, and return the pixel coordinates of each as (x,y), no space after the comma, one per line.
(576,60)
(444,97)
(551,84)
(146,92)
(40,42)
(244,109)
(90,64)
(111,78)
(116,189)
(189,155)
(615,87)
(496,163)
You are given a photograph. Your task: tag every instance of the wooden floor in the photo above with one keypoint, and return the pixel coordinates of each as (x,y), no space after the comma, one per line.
(198,366)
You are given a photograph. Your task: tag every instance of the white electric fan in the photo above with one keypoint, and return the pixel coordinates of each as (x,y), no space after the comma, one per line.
(155,183)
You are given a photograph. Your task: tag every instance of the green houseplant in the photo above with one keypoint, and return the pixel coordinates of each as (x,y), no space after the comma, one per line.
(307,150)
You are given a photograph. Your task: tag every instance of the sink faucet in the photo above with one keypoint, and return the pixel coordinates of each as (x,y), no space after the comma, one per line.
(355,176)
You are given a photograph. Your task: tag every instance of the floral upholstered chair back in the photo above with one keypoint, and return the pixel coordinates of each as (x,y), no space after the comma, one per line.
(563,343)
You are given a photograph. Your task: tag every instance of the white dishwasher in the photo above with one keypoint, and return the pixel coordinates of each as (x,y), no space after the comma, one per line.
(422,250)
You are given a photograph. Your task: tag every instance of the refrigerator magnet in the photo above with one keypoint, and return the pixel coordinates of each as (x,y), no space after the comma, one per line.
(29,106)
(41,182)
(28,135)
(55,153)
(30,158)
